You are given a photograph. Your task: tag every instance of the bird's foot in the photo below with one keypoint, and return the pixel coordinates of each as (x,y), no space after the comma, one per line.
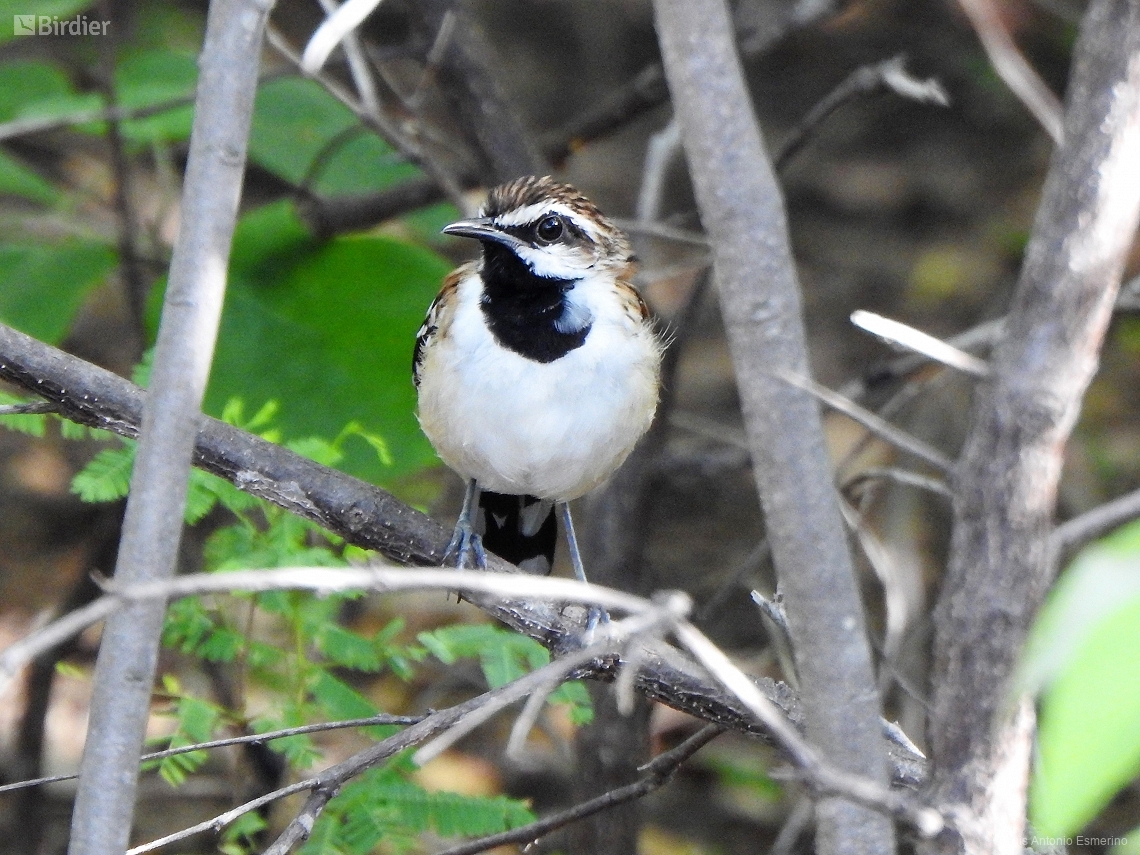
(465,551)
(595,617)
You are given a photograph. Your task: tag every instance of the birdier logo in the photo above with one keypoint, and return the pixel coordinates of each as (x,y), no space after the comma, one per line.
(51,25)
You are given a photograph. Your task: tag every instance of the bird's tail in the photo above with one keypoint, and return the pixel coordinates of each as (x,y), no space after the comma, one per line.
(519,529)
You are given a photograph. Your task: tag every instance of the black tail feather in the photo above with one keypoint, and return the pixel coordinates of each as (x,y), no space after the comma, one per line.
(519,529)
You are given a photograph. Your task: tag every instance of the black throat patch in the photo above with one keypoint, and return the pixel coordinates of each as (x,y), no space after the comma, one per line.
(521,308)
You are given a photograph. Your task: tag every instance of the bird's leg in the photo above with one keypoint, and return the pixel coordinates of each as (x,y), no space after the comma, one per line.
(596,613)
(465,542)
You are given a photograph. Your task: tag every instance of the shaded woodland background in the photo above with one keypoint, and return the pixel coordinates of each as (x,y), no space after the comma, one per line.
(914,211)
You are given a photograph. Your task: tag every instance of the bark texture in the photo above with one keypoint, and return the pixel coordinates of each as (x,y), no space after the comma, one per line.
(742,212)
(1007,477)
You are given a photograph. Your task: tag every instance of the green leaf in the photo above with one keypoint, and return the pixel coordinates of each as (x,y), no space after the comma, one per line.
(107,476)
(382,806)
(42,286)
(748,772)
(18,180)
(200,496)
(327,330)
(347,649)
(187,623)
(24,83)
(299,128)
(1101,578)
(154,77)
(240,836)
(577,700)
(75,431)
(1081,658)
(451,814)
(1089,727)
(338,699)
(34,90)
(197,720)
(298,749)
(503,655)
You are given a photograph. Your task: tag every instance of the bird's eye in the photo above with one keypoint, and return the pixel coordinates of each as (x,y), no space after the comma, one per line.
(549,229)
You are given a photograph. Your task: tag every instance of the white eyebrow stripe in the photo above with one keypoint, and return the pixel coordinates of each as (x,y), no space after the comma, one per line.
(532,213)
(524,215)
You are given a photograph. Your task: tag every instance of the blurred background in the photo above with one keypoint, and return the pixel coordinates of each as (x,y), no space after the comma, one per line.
(916,211)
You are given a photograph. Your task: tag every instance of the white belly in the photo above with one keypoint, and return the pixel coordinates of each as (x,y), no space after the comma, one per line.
(553,430)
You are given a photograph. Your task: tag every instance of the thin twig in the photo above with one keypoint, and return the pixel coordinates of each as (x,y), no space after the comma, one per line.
(662,231)
(220,821)
(1012,67)
(247,739)
(658,772)
(319,579)
(818,774)
(750,564)
(878,426)
(647,89)
(335,29)
(326,783)
(647,615)
(710,428)
(890,75)
(32,408)
(378,121)
(661,152)
(796,823)
(908,337)
(354,53)
(1072,534)
(612,636)
(368,517)
(900,476)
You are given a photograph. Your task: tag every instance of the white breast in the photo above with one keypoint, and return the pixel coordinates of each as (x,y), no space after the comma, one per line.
(553,430)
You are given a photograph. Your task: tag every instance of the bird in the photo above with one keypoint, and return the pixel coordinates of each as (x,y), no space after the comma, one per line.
(537,370)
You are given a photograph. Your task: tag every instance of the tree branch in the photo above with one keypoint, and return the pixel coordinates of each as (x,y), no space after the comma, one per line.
(152,527)
(760,25)
(740,205)
(627,639)
(381,719)
(1007,477)
(369,517)
(658,772)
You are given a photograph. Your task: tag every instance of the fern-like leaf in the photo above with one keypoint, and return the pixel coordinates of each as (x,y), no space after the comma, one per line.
(107,476)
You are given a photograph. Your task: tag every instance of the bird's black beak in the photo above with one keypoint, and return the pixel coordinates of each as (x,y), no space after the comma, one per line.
(483,229)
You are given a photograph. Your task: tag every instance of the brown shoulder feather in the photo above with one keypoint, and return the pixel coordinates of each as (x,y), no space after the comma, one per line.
(438,318)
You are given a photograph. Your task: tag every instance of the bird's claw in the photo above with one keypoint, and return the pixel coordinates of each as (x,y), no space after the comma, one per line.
(595,617)
(465,551)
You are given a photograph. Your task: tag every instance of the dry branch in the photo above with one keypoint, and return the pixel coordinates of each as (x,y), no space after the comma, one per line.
(741,208)
(152,527)
(1007,477)
(369,517)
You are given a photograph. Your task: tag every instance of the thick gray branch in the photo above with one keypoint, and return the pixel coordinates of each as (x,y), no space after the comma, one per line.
(741,208)
(1007,478)
(369,517)
(152,527)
